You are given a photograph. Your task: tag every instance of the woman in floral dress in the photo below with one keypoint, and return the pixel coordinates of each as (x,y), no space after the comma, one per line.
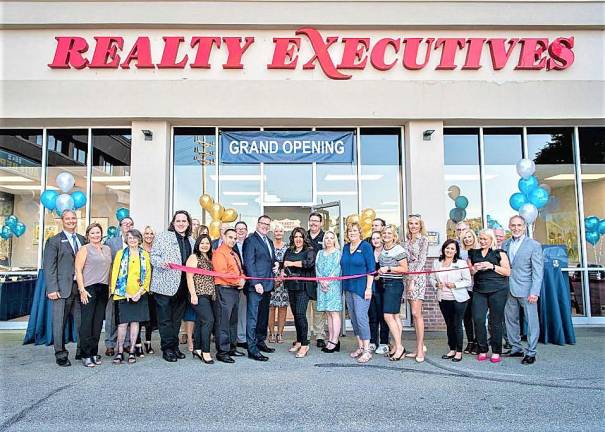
(279,295)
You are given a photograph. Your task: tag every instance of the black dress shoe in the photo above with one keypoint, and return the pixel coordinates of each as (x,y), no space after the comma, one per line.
(264,348)
(258,357)
(243,345)
(78,355)
(456,360)
(514,354)
(224,357)
(179,355)
(169,356)
(447,357)
(528,360)
(321,343)
(63,362)
(236,353)
(507,346)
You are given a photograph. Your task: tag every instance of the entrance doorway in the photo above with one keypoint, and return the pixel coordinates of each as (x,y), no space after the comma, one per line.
(289,217)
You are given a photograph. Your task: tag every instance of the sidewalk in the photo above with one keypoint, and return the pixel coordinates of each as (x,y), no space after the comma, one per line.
(563,391)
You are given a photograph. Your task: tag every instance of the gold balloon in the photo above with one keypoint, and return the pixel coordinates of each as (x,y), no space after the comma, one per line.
(366,232)
(214,229)
(366,223)
(206,201)
(229,215)
(368,214)
(453,192)
(216,211)
(352,219)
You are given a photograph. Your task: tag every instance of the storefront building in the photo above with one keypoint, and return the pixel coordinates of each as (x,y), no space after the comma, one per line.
(135,100)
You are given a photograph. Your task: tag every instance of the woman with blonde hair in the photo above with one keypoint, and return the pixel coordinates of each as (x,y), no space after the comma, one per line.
(416,246)
(278,305)
(329,293)
(467,241)
(490,269)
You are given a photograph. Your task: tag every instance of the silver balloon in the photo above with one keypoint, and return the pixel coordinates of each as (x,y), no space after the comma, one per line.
(529,212)
(64,202)
(453,192)
(65,181)
(546,188)
(526,168)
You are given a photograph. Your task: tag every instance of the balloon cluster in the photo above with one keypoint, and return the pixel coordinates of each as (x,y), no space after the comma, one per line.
(493,223)
(52,200)
(11,227)
(364,219)
(121,213)
(218,213)
(458,213)
(532,196)
(595,228)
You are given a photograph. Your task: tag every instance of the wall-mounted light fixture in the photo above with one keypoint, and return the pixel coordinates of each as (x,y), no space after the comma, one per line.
(148,134)
(427,135)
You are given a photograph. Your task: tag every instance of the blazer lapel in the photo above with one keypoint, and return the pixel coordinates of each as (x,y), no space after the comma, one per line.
(522,246)
(67,244)
(262,242)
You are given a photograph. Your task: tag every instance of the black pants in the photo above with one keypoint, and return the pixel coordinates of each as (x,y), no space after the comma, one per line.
(453,314)
(494,302)
(379,331)
(170,310)
(91,321)
(469,326)
(151,324)
(299,299)
(226,306)
(204,322)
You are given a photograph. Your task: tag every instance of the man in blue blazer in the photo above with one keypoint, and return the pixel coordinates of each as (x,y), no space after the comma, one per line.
(259,262)
(525,281)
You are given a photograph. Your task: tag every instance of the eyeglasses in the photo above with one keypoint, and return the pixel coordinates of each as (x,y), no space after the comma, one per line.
(264,224)
(314,220)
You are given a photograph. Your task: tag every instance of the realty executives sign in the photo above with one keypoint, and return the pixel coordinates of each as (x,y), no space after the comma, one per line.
(336,56)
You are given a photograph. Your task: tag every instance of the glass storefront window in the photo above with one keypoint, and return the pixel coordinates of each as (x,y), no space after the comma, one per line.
(110,175)
(20,174)
(461,169)
(195,153)
(502,148)
(380,172)
(552,151)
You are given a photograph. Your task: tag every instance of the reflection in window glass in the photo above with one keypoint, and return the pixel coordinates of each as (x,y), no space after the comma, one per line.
(67,152)
(576,290)
(461,156)
(503,148)
(552,151)
(110,175)
(380,173)
(288,183)
(20,172)
(194,169)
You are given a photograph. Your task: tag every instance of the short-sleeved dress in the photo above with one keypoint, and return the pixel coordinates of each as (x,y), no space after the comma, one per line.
(328,264)
(279,295)
(417,250)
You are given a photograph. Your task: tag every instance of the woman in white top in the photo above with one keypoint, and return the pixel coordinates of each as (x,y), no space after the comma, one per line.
(468,240)
(452,294)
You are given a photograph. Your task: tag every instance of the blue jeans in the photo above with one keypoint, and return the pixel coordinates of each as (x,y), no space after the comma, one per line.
(358,311)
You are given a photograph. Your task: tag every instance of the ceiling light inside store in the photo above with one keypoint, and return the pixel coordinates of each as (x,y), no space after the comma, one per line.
(119,187)
(237,177)
(14,179)
(352,177)
(467,177)
(241,193)
(390,203)
(113,179)
(28,187)
(239,204)
(336,193)
(563,177)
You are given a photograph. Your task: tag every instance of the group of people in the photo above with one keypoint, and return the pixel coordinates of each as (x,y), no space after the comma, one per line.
(237,285)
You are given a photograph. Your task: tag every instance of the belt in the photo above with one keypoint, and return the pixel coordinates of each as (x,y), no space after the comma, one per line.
(227,286)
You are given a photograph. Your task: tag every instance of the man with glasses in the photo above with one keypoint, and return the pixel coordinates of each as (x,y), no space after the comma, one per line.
(111,329)
(460,228)
(317,319)
(241,231)
(259,262)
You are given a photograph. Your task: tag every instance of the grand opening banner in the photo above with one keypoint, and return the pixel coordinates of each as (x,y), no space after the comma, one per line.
(287,147)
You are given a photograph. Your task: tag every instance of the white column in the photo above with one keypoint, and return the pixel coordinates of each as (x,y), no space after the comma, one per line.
(150,175)
(424,176)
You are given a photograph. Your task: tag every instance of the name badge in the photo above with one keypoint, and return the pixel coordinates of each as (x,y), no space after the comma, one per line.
(64,241)
(358,251)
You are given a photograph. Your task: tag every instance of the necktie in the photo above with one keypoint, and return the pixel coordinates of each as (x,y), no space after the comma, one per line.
(268,245)
(75,242)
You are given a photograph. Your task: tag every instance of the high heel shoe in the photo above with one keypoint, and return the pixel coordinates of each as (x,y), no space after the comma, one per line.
(302,352)
(396,357)
(148,348)
(336,347)
(201,357)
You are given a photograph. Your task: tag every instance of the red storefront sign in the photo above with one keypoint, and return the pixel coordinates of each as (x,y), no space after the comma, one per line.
(358,53)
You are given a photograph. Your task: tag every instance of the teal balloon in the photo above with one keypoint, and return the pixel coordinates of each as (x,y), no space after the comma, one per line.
(591,223)
(11,221)
(79,199)
(19,229)
(6,232)
(48,199)
(457,214)
(121,213)
(602,227)
(461,202)
(517,200)
(526,185)
(539,197)
(112,232)
(592,237)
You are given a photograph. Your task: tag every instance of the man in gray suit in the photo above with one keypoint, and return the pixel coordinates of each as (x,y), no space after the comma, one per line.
(116,244)
(527,264)
(59,275)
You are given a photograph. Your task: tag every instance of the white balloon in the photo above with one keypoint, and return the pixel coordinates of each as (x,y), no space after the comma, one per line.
(65,181)
(526,168)
(64,202)
(546,188)
(529,212)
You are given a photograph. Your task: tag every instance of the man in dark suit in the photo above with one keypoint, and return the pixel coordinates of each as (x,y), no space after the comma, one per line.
(59,275)
(241,230)
(259,262)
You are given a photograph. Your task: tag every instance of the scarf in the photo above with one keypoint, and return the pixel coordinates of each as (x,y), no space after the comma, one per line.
(123,274)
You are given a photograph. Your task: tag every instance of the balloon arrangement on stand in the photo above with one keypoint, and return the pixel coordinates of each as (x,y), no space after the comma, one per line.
(364,219)
(493,223)
(595,228)
(12,226)
(458,213)
(114,231)
(532,196)
(218,213)
(53,201)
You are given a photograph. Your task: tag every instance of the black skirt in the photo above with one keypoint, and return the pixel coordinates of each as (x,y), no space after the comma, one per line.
(129,311)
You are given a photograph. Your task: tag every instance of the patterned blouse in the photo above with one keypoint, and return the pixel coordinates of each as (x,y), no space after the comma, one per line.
(204,285)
